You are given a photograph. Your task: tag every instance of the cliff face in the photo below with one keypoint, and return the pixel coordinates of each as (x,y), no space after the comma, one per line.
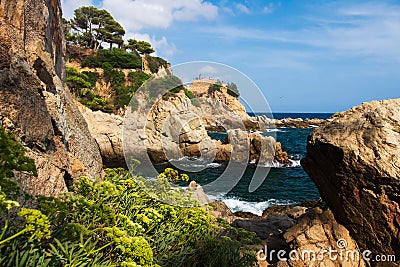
(175,127)
(354,161)
(35,103)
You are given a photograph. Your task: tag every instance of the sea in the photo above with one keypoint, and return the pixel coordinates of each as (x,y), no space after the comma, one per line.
(284,184)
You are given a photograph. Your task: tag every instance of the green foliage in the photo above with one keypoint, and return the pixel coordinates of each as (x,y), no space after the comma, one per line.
(189,93)
(214,87)
(115,222)
(118,222)
(82,85)
(91,76)
(166,86)
(233,90)
(137,78)
(12,158)
(93,27)
(116,57)
(142,47)
(98,103)
(154,63)
(36,224)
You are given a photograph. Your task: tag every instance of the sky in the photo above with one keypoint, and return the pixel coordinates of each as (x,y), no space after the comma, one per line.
(305,56)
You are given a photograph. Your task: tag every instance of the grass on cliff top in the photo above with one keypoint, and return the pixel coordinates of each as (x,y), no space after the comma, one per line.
(112,222)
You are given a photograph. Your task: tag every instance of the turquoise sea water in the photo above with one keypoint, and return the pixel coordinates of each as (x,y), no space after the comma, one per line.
(283,184)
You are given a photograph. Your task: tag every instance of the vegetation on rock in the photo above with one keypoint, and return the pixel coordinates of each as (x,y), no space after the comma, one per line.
(113,222)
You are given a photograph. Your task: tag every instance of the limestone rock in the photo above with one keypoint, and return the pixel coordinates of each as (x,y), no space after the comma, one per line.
(288,122)
(355,162)
(316,231)
(198,193)
(174,130)
(36,106)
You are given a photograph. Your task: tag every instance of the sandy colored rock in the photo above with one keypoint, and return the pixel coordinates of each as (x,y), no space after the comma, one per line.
(317,231)
(198,193)
(36,106)
(355,162)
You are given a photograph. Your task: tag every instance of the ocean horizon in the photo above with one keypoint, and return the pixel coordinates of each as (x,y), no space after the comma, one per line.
(293,115)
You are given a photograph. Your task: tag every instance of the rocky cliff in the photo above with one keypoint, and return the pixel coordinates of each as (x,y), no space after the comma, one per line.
(355,162)
(177,123)
(35,104)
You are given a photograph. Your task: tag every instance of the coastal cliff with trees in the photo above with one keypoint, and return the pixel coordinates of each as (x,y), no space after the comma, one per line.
(60,207)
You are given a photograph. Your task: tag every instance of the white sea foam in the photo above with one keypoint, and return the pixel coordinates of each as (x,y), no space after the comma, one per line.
(194,163)
(268,130)
(235,204)
(293,163)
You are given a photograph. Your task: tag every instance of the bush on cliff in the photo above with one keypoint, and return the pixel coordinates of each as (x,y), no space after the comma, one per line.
(116,57)
(115,222)
(155,63)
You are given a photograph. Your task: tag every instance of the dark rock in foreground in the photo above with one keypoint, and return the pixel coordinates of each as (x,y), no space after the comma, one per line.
(296,229)
(355,162)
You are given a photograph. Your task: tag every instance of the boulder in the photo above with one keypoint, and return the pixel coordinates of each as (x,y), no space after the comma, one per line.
(354,160)
(36,106)
(198,193)
(318,231)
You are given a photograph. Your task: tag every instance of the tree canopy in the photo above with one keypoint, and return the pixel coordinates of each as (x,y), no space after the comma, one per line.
(93,27)
(142,47)
(90,27)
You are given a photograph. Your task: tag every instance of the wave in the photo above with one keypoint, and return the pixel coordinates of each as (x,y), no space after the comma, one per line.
(293,163)
(195,163)
(236,204)
(271,130)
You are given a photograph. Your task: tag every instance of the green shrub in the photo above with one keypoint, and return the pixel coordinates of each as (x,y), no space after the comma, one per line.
(214,87)
(116,57)
(12,158)
(92,77)
(233,90)
(137,78)
(154,63)
(117,222)
(98,103)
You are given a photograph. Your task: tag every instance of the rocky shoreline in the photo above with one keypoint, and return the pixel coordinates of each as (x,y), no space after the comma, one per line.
(353,158)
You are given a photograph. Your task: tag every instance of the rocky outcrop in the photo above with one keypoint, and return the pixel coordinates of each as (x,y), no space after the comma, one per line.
(35,104)
(173,130)
(296,230)
(354,161)
(314,235)
(288,122)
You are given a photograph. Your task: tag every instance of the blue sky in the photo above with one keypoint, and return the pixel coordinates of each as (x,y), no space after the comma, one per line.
(305,56)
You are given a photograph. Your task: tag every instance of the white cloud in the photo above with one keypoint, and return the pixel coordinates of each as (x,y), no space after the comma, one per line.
(228,10)
(162,46)
(208,70)
(370,31)
(68,6)
(268,8)
(242,8)
(139,14)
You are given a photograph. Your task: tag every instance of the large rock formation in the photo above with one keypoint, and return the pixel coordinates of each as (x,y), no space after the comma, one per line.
(174,130)
(35,104)
(296,231)
(314,235)
(355,162)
